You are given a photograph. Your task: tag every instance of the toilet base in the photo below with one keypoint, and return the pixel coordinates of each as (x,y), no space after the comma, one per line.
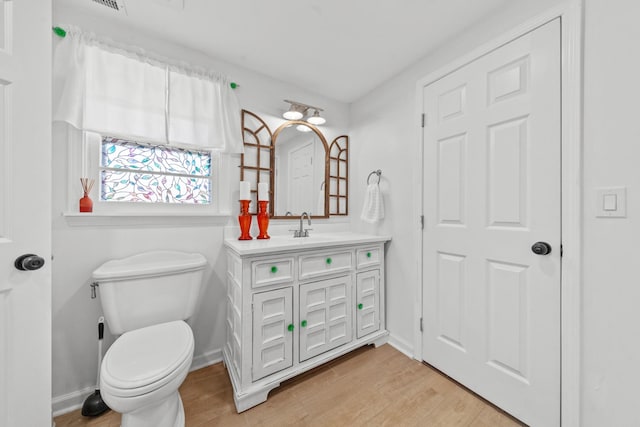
(168,412)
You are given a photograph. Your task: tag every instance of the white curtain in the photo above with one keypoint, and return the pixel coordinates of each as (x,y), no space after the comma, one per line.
(113,90)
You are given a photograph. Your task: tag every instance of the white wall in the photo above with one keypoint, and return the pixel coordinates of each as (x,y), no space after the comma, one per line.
(79,249)
(611,291)
(385,135)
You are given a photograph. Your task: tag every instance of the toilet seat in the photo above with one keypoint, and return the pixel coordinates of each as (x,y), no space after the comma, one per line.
(144,360)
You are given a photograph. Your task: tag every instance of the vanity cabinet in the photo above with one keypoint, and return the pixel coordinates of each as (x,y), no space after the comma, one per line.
(294,306)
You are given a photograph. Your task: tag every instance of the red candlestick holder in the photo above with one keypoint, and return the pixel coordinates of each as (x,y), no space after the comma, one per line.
(263,219)
(245,220)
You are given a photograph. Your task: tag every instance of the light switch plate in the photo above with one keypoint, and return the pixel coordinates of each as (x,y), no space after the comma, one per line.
(611,202)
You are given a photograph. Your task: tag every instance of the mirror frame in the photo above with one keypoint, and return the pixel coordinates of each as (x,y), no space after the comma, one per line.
(339,156)
(261,138)
(256,134)
(274,140)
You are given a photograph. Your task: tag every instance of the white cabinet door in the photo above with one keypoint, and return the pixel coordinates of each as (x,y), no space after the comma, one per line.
(492,189)
(325,316)
(367,302)
(272,332)
(25,212)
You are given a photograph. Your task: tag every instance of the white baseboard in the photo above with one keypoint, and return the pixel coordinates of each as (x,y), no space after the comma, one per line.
(402,346)
(71,401)
(206,359)
(68,402)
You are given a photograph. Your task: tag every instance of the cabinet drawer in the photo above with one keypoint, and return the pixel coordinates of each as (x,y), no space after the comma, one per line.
(368,257)
(271,272)
(325,263)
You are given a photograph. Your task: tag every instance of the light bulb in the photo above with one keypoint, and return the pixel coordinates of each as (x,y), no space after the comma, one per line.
(316,119)
(292,115)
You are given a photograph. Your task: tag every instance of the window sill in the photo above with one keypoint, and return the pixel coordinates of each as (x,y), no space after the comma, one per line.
(76,219)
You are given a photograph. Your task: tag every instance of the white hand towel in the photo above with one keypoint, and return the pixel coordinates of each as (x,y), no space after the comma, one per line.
(373,209)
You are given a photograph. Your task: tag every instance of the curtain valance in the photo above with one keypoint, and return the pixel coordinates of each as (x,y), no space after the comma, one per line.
(118,90)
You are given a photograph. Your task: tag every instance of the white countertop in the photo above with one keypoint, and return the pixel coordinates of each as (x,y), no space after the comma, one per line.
(290,243)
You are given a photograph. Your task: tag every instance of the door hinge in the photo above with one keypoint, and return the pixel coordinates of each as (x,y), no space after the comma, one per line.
(422,221)
(423,119)
(561,250)
(421,325)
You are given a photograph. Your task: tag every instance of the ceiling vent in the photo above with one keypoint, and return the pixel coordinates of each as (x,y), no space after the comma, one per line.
(117,5)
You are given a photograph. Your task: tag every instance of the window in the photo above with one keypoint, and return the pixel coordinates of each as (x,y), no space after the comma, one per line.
(150,131)
(136,172)
(141,179)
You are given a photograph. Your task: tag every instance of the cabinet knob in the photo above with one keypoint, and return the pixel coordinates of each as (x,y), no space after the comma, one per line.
(290,327)
(303,323)
(360,306)
(329,261)
(274,269)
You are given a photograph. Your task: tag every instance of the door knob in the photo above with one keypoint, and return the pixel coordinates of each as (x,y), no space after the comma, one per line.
(541,248)
(28,262)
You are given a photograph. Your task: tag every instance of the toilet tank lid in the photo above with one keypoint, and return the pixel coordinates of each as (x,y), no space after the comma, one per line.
(150,264)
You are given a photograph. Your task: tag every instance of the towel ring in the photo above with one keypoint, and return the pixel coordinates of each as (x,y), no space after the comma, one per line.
(377,172)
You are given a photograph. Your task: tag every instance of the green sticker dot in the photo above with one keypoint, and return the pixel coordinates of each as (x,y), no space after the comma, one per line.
(60,32)
(329,261)
(274,269)
(290,328)
(368,254)
(360,306)
(303,323)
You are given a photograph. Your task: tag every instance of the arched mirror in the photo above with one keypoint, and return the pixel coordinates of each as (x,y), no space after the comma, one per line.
(300,162)
(304,172)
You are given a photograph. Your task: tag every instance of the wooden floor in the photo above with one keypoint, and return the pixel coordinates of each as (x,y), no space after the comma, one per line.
(370,386)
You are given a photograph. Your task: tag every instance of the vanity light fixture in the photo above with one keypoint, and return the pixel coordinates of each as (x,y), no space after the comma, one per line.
(298,110)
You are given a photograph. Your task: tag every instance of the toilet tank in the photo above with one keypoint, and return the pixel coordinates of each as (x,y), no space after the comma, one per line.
(149,288)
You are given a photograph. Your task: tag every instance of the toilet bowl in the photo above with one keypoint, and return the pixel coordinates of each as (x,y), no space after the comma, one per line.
(146,299)
(141,373)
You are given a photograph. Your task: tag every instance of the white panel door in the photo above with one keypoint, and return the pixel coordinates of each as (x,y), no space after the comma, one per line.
(25,206)
(272,332)
(367,302)
(491,305)
(301,195)
(325,316)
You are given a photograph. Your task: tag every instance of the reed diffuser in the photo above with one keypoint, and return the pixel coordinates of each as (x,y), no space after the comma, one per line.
(86,204)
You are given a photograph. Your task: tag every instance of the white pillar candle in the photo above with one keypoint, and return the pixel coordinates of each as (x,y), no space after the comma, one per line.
(263,191)
(245,190)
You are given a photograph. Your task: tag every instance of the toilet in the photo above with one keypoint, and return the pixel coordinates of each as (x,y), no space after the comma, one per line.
(146,299)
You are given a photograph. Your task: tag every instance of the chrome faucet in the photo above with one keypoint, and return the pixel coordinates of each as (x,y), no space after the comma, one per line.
(302,232)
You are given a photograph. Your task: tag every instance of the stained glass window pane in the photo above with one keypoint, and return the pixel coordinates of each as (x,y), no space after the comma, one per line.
(132,172)
(122,154)
(122,186)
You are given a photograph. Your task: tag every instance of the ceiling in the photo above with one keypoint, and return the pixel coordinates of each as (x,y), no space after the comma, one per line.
(341,49)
